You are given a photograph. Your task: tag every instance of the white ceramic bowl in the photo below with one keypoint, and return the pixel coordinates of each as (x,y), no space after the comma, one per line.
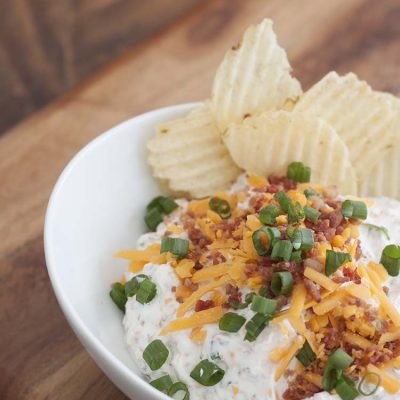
(96,209)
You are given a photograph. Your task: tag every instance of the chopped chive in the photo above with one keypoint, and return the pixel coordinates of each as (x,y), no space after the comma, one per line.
(220,206)
(231,322)
(268,214)
(284,200)
(249,297)
(179,387)
(381,229)
(264,306)
(236,305)
(335,259)
(297,256)
(282,250)
(264,292)
(295,213)
(306,355)
(118,296)
(310,192)
(290,230)
(339,359)
(390,259)
(162,384)
(163,204)
(146,292)
(354,209)
(282,283)
(176,246)
(132,286)
(207,373)
(345,389)
(302,239)
(330,378)
(264,238)
(153,218)
(155,354)
(299,172)
(255,326)
(363,390)
(311,214)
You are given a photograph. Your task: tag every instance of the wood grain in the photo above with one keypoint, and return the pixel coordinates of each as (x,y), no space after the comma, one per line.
(39,356)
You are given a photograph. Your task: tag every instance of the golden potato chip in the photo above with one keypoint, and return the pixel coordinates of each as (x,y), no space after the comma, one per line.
(188,152)
(361,117)
(253,77)
(266,144)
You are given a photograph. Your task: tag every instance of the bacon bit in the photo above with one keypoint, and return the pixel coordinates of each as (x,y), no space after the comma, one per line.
(283,182)
(299,389)
(385,289)
(198,266)
(202,305)
(189,284)
(313,289)
(233,293)
(173,289)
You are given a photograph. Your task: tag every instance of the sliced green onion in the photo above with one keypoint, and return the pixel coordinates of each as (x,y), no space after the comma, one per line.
(268,214)
(299,172)
(284,200)
(302,239)
(179,387)
(363,390)
(207,373)
(345,389)
(290,231)
(220,206)
(381,229)
(264,238)
(236,305)
(163,204)
(249,297)
(310,192)
(162,384)
(330,378)
(295,213)
(155,354)
(231,322)
(335,259)
(282,250)
(153,218)
(305,355)
(339,359)
(354,209)
(311,214)
(264,292)
(132,286)
(390,259)
(297,256)
(146,292)
(178,247)
(118,296)
(282,283)
(264,306)
(255,326)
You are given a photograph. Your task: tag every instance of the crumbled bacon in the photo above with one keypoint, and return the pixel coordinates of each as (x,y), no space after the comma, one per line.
(282,181)
(192,286)
(202,305)
(299,389)
(313,289)
(233,293)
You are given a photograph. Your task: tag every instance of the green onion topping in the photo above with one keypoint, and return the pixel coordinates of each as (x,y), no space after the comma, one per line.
(162,384)
(155,210)
(264,306)
(231,322)
(264,238)
(255,326)
(298,172)
(339,359)
(155,354)
(264,292)
(146,292)
(354,209)
(330,378)
(302,239)
(345,389)
(178,247)
(268,214)
(249,297)
(153,218)
(132,286)
(207,373)
(220,206)
(311,214)
(305,355)
(284,200)
(310,192)
(381,229)
(118,296)
(390,259)
(296,256)
(282,283)
(179,387)
(365,391)
(295,213)
(282,250)
(334,260)
(236,305)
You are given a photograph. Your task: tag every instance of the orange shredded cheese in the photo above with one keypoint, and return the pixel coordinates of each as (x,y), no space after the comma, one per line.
(299,295)
(214,217)
(184,268)
(321,279)
(256,181)
(357,340)
(315,379)
(198,319)
(235,390)
(198,335)
(389,383)
(174,229)
(253,223)
(199,208)
(389,336)
(292,351)
(297,197)
(140,255)
(298,324)
(277,354)
(358,291)
(380,270)
(136,266)
(328,303)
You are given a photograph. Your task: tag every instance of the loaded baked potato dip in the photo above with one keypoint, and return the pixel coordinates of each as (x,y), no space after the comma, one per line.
(264,274)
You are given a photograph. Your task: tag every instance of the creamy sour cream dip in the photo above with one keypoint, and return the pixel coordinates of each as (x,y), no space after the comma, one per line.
(249,373)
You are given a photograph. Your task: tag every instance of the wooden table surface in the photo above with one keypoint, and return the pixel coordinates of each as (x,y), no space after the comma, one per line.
(40,358)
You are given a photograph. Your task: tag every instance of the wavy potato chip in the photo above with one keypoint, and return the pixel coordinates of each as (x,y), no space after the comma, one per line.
(266,144)
(188,152)
(253,77)
(364,119)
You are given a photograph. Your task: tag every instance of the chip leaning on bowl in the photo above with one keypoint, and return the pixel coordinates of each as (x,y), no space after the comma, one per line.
(256,283)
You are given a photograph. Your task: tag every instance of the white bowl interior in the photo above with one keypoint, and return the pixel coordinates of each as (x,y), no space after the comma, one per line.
(96,209)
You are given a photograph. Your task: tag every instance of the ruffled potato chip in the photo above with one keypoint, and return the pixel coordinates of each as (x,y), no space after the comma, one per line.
(364,119)
(266,144)
(189,154)
(253,77)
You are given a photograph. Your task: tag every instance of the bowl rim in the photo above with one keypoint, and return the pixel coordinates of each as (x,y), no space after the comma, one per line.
(89,341)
